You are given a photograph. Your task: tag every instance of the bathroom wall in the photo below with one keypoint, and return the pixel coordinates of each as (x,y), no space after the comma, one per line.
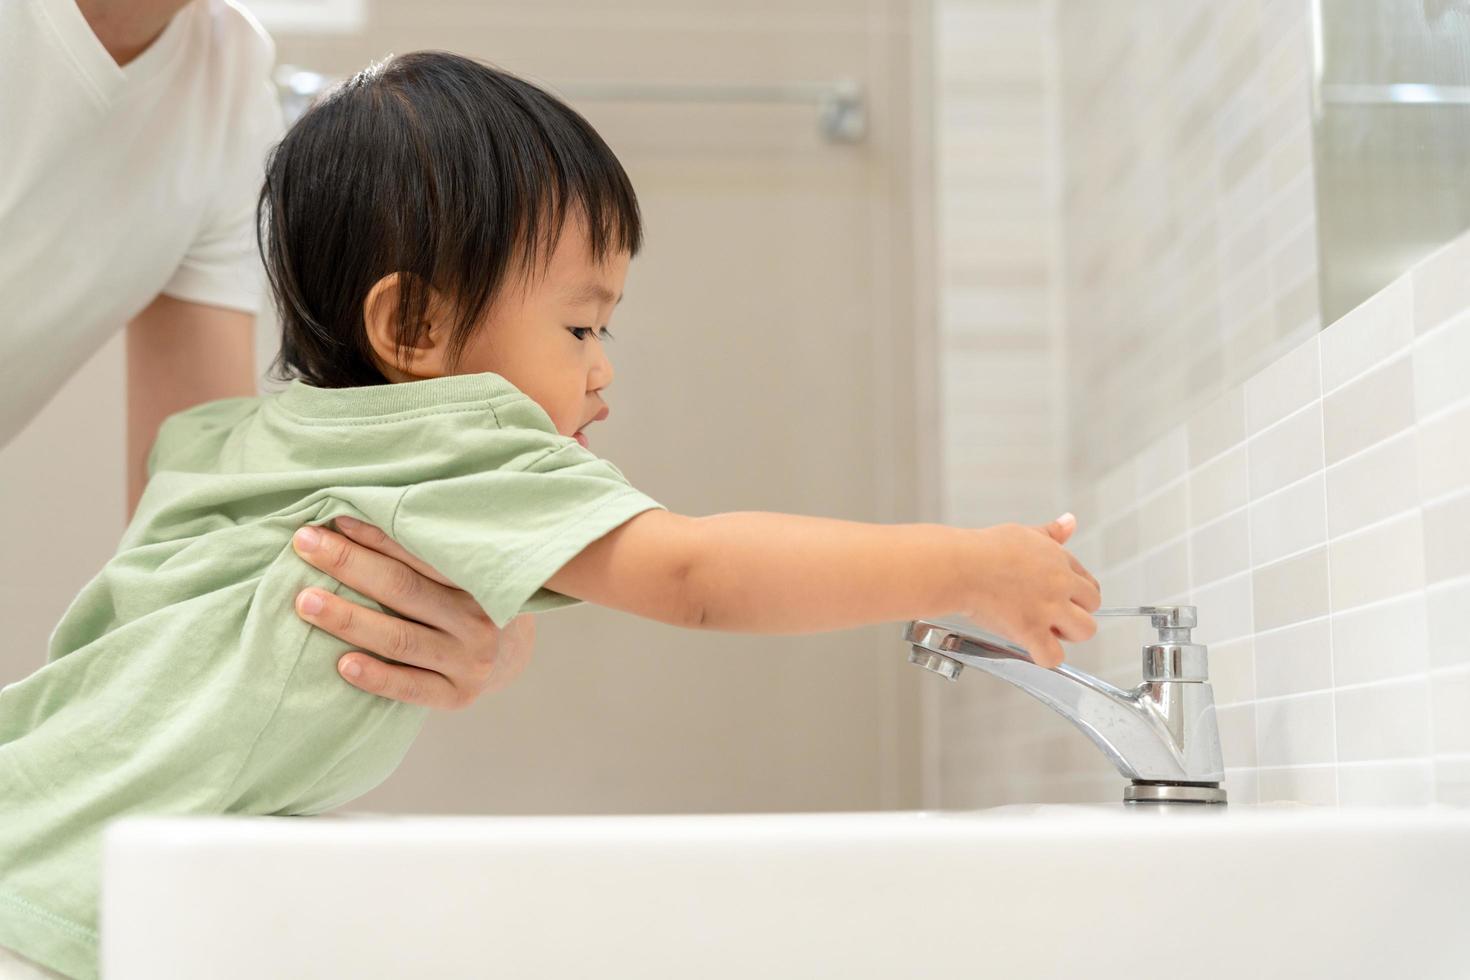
(764,361)
(1189,255)
(1313,501)
(999,354)
(1319,517)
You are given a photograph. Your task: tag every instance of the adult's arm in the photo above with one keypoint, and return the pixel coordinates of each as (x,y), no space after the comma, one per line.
(181,354)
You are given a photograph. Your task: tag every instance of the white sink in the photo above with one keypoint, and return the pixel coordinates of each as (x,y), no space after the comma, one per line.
(1046,891)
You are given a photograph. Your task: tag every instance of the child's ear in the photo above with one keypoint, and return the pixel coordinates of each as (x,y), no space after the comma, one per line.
(380,312)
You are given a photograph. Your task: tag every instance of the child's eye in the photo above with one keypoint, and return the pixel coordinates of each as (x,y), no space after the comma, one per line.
(581,333)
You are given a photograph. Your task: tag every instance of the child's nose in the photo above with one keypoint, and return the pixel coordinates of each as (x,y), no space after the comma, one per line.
(602,370)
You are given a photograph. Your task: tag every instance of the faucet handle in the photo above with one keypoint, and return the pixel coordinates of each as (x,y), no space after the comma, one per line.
(1162,617)
(1174,656)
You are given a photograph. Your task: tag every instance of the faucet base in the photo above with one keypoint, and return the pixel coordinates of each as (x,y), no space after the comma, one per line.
(1147,792)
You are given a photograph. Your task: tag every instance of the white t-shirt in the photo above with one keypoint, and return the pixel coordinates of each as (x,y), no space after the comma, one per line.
(117,184)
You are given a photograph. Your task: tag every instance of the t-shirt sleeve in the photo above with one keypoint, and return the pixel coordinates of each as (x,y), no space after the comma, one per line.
(499,534)
(221,266)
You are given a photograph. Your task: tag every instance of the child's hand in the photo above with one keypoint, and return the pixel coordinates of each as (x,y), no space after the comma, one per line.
(1031,590)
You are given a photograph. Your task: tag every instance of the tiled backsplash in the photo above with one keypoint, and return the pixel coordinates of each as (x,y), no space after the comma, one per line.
(1319,516)
(1188,220)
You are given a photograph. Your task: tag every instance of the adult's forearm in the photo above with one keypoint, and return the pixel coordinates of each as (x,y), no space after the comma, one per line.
(180,354)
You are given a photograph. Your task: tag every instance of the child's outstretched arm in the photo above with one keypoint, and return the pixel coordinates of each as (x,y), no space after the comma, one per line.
(782,573)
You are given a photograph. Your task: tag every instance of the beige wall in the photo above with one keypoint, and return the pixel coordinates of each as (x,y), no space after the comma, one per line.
(765,360)
(999,351)
(998,358)
(62,502)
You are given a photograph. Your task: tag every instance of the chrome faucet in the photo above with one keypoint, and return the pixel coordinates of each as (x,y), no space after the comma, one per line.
(1161,735)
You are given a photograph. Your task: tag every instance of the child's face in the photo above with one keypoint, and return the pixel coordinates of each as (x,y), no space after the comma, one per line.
(545,338)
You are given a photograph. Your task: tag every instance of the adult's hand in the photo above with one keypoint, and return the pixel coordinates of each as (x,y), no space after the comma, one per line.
(448,652)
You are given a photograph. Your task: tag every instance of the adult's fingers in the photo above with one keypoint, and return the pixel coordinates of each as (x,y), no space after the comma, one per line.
(372,537)
(391,582)
(401,683)
(388,636)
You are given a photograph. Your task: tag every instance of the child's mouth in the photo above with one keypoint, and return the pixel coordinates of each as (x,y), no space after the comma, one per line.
(580,438)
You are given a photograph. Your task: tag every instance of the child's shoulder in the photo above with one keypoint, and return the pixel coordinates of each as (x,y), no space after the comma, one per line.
(186,429)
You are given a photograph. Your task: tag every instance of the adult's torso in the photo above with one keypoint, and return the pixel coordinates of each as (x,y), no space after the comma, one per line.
(117,184)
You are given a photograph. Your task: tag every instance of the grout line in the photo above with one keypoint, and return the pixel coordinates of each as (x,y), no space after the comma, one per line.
(1444,584)
(1181,480)
(1444,411)
(1434,416)
(1128,564)
(1377,525)
(1278,423)
(1315,402)
(1221,518)
(1356,532)
(1250,547)
(1392,359)
(1407,351)
(1409,430)
(1396,680)
(1462,317)
(1277,491)
(1395,760)
(1331,651)
(1429,685)
(1300,622)
(1445,498)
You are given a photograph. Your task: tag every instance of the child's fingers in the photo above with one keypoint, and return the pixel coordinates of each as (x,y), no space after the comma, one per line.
(1060,530)
(1087,594)
(1081,569)
(1046,651)
(1075,624)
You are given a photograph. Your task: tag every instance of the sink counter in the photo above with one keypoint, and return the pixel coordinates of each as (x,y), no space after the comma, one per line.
(1020,891)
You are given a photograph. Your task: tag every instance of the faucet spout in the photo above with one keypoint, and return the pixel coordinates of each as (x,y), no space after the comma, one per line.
(1161,732)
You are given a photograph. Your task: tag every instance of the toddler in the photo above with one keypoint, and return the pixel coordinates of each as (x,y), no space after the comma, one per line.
(446,245)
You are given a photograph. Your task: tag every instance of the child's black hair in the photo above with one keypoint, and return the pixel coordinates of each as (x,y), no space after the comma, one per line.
(445,170)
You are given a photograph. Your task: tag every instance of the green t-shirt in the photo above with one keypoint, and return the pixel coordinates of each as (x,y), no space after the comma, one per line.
(181,680)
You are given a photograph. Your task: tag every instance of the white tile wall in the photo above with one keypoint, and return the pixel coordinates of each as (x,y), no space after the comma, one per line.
(1317,509)
(1187,207)
(1319,516)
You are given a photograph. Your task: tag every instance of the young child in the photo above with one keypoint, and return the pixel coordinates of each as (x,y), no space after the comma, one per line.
(446,244)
